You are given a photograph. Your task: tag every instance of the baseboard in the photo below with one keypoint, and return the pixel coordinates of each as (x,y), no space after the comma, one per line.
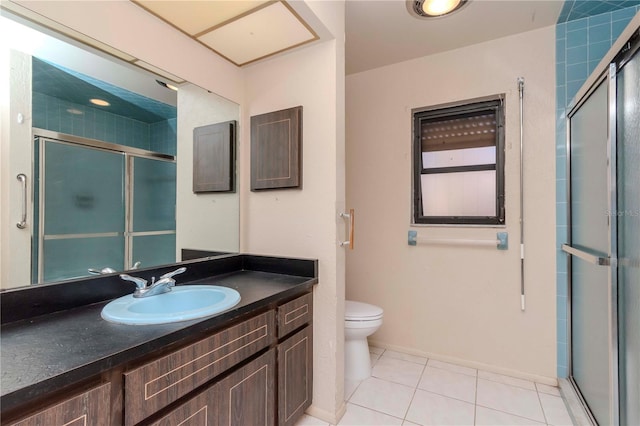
(551,381)
(327,416)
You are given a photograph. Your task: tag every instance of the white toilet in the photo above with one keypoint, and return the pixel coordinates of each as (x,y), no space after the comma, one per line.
(360,321)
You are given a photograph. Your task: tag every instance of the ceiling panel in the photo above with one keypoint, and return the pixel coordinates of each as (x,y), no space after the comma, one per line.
(194,17)
(240,31)
(259,34)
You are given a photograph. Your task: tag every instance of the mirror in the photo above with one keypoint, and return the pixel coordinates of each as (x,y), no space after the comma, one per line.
(104,188)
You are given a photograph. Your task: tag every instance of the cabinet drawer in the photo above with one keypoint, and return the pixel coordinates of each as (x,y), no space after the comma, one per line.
(158,383)
(294,314)
(88,408)
(243,398)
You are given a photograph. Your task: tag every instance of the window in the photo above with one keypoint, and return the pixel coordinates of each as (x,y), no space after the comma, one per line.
(458,175)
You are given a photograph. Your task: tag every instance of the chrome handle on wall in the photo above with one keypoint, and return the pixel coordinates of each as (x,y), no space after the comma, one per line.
(588,257)
(352,222)
(23,179)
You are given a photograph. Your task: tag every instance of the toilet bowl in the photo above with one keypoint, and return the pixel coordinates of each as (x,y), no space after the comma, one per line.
(360,321)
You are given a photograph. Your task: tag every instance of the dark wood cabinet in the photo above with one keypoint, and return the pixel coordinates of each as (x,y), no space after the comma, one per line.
(247,396)
(295,314)
(214,157)
(158,383)
(257,371)
(295,376)
(88,408)
(244,397)
(276,149)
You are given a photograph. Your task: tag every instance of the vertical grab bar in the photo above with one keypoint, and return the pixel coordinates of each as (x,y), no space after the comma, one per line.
(352,217)
(23,179)
(521,96)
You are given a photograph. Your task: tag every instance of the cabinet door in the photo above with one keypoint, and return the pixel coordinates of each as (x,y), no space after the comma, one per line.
(158,383)
(295,376)
(88,408)
(198,411)
(247,396)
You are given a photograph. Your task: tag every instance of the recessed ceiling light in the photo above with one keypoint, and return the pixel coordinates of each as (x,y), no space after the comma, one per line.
(74,111)
(99,102)
(434,8)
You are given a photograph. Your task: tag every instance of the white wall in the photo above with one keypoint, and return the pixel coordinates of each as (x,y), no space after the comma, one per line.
(304,222)
(206,221)
(132,30)
(15,158)
(457,303)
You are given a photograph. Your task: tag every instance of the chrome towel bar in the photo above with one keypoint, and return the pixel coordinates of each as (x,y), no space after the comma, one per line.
(501,242)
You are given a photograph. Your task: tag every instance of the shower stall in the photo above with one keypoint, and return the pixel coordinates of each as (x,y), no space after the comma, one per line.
(99,205)
(603,154)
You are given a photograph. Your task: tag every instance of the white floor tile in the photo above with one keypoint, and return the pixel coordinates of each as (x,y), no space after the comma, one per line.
(452,367)
(397,371)
(510,399)
(408,423)
(405,357)
(307,420)
(374,358)
(430,409)
(380,395)
(349,388)
(507,380)
(448,383)
(551,390)
(489,417)
(375,350)
(554,410)
(361,416)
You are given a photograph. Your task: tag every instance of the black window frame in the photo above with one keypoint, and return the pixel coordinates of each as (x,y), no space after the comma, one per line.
(495,105)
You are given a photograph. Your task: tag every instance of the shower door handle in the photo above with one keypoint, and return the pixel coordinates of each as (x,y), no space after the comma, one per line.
(588,257)
(23,179)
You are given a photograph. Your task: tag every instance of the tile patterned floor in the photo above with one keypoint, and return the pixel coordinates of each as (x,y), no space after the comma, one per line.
(412,390)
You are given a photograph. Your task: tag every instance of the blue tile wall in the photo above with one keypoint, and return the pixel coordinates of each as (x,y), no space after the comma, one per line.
(584,33)
(53,114)
(577,9)
(164,135)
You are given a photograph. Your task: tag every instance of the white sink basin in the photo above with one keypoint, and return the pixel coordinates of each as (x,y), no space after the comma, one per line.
(180,304)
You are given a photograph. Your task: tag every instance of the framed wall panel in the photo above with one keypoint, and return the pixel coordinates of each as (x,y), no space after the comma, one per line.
(276,150)
(214,157)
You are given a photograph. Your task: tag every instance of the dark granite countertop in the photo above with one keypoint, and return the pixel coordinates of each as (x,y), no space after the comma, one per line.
(45,353)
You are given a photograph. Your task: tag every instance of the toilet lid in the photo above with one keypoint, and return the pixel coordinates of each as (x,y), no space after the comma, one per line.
(359,311)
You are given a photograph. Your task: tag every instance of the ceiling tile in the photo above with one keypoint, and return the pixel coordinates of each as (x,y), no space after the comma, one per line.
(194,17)
(267,31)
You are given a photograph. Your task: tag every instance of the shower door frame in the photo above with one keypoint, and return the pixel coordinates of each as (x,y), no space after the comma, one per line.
(609,78)
(609,75)
(41,136)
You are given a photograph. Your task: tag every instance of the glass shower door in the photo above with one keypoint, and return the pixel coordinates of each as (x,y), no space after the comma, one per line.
(591,285)
(82,203)
(153,228)
(628,216)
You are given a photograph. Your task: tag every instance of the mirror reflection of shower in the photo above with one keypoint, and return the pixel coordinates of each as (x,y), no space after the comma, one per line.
(104,176)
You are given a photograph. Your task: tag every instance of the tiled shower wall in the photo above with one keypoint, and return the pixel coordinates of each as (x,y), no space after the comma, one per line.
(580,45)
(53,114)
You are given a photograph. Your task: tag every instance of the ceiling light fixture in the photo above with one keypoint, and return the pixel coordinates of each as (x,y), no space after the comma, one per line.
(167,85)
(74,111)
(99,102)
(434,8)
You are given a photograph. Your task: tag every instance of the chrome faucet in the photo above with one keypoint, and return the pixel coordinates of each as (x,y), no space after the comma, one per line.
(163,285)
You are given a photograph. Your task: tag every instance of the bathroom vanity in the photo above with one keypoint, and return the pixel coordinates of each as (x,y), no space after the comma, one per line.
(62,364)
